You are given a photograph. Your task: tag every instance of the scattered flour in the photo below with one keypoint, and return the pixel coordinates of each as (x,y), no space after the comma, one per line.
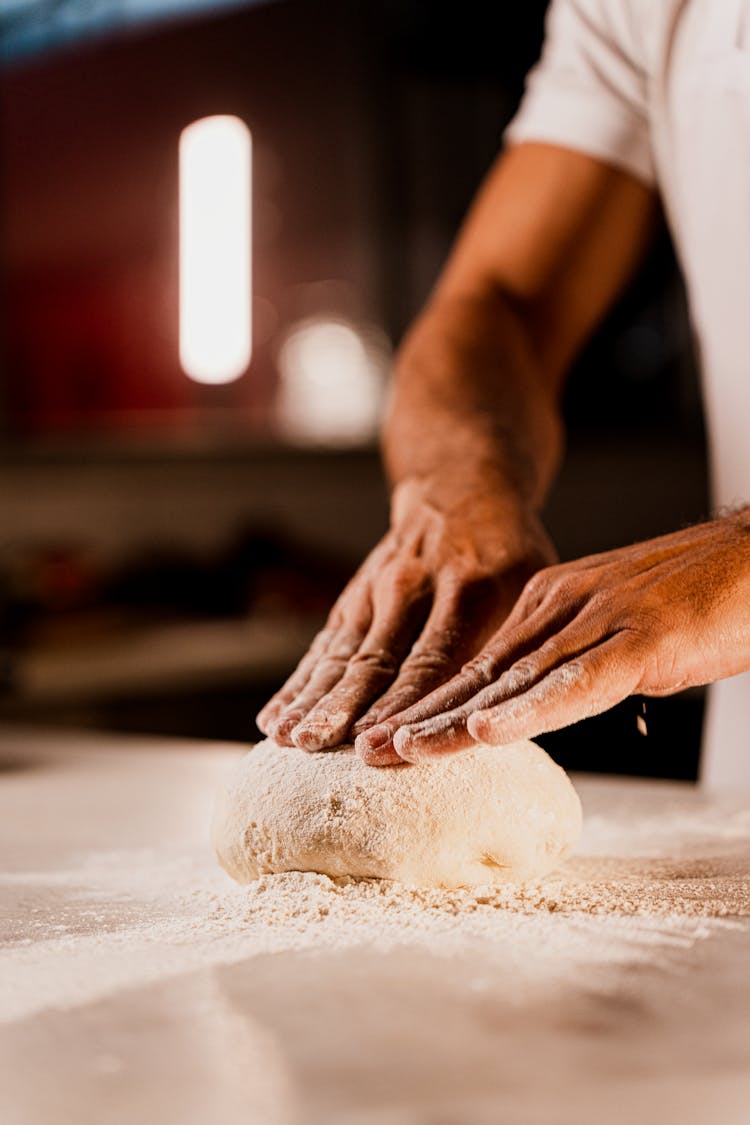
(658,869)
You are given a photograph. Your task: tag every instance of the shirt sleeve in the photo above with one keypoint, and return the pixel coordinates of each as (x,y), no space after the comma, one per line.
(589,91)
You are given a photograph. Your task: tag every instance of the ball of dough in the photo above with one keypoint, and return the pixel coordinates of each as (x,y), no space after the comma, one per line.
(488,815)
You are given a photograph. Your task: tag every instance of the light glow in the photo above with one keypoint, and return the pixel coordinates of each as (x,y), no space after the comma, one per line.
(332,382)
(215,249)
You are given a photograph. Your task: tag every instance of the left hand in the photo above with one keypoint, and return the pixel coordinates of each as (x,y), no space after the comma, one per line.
(653,618)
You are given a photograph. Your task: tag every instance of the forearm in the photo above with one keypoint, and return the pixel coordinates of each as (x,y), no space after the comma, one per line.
(471,406)
(472,441)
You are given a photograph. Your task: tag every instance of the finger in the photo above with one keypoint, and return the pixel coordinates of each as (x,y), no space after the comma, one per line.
(376,745)
(443,734)
(591,683)
(560,592)
(506,648)
(328,670)
(385,757)
(435,658)
(353,605)
(370,670)
(441,712)
(295,683)
(582,633)
(449,732)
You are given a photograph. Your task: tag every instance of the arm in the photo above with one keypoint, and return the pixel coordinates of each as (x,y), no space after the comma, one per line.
(472,440)
(547,246)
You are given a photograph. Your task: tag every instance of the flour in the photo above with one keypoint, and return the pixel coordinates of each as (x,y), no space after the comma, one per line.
(127,957)
(659,867)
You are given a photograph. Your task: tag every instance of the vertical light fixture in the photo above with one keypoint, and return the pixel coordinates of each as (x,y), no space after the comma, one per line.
(215,249)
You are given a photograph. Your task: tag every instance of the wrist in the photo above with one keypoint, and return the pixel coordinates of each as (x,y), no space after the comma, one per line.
(463,491)
(468,401)
(482,511)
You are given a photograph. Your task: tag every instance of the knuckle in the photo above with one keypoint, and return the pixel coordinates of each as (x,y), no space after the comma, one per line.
(575,676)
(482,667)
(378,661)
(332,664)
(520,675)
(427,661)
(602,602)
(345,643)
(322,639)
(564,588)
(335,622)
(527,667)
(538,586)
(549,652)
(350,614)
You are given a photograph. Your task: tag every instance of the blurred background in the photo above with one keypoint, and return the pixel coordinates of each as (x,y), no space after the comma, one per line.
(167,547)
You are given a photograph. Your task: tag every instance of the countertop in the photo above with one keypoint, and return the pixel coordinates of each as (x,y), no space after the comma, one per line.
(139,985)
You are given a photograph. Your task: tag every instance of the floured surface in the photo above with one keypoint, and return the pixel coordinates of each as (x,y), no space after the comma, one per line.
(304,1000)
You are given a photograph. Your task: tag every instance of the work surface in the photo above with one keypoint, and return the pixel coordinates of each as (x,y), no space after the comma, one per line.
(139,985)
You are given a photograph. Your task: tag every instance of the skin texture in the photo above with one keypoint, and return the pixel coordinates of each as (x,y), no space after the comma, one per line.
(425,600)
(652,618)
(471,443)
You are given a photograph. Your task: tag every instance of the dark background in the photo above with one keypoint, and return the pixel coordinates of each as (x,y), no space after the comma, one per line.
(165,552)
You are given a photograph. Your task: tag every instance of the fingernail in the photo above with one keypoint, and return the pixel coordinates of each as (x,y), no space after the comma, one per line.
(374,738)
(408,744)
(385,757)
(306,736)
(361,727)
(264,721)
(281,730)
(322,734)
(474,727)
(478,727)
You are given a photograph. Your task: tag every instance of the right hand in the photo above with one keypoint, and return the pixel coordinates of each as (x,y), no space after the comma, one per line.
(425,601)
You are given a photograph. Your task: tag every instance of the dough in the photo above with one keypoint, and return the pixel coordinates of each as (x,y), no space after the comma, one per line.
(488,815)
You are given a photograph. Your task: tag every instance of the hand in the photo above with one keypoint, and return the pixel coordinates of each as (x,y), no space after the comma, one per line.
(653,618)
(428,597)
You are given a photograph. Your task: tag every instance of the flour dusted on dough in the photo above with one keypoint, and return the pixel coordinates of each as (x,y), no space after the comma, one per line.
(488,815)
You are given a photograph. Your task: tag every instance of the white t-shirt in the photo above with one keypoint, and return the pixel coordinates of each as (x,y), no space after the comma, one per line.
(661,88)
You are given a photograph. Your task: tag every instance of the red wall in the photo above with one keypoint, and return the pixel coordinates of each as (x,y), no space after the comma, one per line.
(89,196)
